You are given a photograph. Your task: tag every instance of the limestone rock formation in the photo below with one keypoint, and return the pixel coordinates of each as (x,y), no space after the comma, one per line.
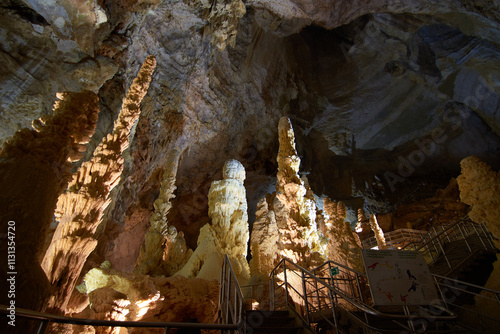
(479,187)
(127,296)
(343,247)
(34,170)
(264,242)
(164,250)
(293,210)
(379,234)
(228,233)
(80,208)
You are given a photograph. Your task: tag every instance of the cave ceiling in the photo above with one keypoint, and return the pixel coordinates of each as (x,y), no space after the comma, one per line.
(383,95)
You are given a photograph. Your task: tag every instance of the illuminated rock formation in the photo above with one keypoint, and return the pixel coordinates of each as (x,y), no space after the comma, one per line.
(223,18)
(479,187)
(264,242)
(164,251)
(299,238)
(34,170)
(294,211)
(128,296)
(343,247)
(80,208)
(363,227)
(379,234)
(228,233)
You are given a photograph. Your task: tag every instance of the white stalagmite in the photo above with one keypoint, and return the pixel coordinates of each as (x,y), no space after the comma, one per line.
(379,234)
(228,233)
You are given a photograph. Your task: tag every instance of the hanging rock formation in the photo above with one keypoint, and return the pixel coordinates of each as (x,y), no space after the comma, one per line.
(228,233)
(34,170)
(80,208)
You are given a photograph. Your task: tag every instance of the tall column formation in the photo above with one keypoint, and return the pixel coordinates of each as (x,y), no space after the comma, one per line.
(295,212)
(228,233)
(80,208)
(164,251)
(479,187)
(342,245)
(379,234)
(34,169)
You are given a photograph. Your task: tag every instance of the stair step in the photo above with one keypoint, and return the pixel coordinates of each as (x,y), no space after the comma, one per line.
(275,322)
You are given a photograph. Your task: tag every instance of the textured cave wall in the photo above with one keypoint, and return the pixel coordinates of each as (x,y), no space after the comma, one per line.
(381,95)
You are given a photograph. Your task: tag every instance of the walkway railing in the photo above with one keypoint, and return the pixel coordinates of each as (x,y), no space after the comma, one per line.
(477,307)
(397,238)
(230,312)
(432,244)
(318,296)
(231,301)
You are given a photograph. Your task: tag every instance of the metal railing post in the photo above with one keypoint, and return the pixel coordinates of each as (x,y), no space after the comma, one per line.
(43,327)
(464,236)
(286,283)
(305,297)
(479,236)
(487,235)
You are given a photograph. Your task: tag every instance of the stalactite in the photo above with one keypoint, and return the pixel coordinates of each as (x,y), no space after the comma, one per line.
(164,251)
(80,208)
(379,234)
(34,170)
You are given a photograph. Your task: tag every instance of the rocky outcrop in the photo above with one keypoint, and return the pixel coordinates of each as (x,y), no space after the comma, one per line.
(228,233)
(80,208)
(34,170)
(125,296)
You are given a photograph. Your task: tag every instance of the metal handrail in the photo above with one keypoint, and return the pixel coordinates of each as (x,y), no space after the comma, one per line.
(460,288)
(400,236)
(231,301)
(228,311)
(432,244)
(334,294)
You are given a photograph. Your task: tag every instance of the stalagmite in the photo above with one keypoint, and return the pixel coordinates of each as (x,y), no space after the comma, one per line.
(379,234)
(342,245)
(300,239)
(264,242)
(80,208)
(34,170)
(363,227)
(228,233)
(164,251)
(479,187)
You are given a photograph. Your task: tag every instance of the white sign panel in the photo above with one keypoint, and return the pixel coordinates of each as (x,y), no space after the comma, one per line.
(399,277)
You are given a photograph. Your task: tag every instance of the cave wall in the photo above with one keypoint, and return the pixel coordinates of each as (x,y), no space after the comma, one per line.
(381,95)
